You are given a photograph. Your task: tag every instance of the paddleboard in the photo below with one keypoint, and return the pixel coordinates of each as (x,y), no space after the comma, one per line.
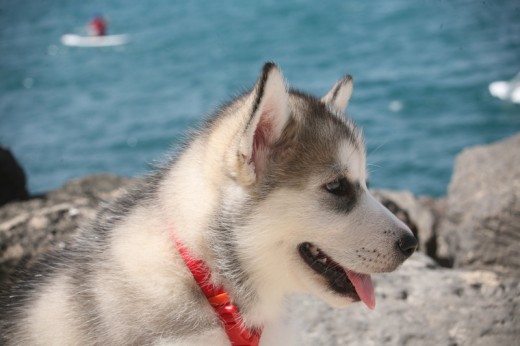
(94,41)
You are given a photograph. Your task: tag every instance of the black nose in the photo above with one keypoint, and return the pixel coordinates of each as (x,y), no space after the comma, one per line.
(407,244)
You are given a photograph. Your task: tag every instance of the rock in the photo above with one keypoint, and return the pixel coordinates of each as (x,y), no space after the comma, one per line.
(31,228)
(482,221)
(420,304)
(12,178)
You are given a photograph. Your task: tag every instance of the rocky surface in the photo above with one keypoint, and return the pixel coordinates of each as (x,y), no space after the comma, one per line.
(462,288)
(36,226)
(482,221)
(420,304)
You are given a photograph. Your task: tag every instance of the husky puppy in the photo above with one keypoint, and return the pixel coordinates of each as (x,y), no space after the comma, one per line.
(270,195)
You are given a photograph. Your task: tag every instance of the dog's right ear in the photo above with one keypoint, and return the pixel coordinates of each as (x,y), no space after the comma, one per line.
(269,114)
(339,95)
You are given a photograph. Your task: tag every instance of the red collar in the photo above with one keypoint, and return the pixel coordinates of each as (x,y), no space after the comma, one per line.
(218,298)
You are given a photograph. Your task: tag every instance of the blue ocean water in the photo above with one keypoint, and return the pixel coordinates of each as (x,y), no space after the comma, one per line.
(421,71)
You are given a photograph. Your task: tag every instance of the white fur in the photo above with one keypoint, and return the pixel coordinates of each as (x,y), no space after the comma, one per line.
(47,315)
(353,161)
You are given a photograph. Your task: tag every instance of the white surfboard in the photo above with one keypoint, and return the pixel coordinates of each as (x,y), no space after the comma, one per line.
(94,41)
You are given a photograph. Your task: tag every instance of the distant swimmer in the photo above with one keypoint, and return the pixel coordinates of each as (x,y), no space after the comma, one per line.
(97,26)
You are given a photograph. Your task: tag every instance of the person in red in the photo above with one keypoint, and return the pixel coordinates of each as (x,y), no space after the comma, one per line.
(98,26)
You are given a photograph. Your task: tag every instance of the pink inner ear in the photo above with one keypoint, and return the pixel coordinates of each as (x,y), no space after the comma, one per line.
(261,142)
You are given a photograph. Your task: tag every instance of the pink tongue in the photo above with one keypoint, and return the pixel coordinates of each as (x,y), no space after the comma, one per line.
(364,288)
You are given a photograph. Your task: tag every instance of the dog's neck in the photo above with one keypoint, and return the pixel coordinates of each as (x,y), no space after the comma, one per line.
(207,227)
(228,313)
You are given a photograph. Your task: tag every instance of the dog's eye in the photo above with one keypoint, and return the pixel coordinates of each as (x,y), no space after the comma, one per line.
(339,187)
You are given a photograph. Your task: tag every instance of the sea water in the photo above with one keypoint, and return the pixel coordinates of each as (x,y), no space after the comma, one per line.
(421,71)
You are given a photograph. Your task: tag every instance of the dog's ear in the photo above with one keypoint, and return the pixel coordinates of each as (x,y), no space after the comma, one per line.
(269,114)
(340,93)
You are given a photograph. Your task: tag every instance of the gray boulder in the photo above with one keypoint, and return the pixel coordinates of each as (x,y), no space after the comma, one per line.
(482,219)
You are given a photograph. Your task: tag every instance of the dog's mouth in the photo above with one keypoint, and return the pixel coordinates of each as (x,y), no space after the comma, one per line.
(343,281)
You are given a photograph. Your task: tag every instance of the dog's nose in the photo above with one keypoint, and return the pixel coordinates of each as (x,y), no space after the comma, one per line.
(407,244)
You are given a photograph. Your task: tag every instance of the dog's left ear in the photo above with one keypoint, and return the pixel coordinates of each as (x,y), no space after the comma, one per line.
(269,115)
(340,93)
